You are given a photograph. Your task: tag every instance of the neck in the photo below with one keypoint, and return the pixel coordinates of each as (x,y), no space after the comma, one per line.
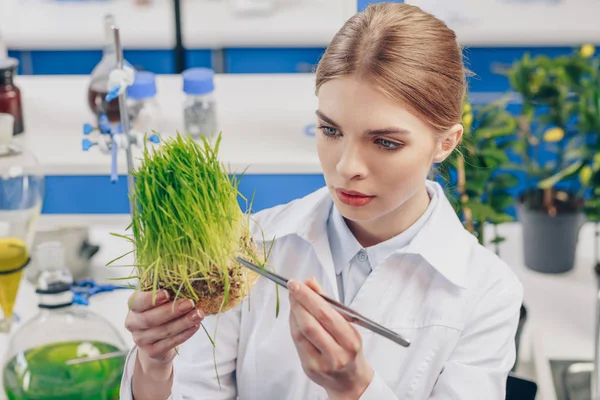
(392,224)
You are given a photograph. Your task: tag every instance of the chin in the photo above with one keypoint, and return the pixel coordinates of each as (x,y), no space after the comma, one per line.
(365,213)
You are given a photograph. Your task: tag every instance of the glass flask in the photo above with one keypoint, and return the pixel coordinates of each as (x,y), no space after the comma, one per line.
(21,197)
(98,87)
(37,361)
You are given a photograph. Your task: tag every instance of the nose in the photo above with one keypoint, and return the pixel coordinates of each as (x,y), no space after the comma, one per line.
(351,164)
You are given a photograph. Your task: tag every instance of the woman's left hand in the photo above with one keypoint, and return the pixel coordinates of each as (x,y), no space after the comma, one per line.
(330,348)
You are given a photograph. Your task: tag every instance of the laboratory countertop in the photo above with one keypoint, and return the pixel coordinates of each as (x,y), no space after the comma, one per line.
(561,313)
(50,24)
(263,119)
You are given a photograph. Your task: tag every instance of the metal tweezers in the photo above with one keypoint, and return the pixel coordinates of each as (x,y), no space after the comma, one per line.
(347,312)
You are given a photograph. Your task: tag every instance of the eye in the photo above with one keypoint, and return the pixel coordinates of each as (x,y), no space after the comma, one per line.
(329,131)
(388,144)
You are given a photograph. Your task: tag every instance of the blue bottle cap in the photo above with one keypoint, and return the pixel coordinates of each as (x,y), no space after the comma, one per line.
(198,81)
(143,87)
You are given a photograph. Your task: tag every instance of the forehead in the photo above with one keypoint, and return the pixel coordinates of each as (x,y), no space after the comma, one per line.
(356,103)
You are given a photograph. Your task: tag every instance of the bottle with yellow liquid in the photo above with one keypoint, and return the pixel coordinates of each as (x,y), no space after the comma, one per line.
(36,364)
(21,197)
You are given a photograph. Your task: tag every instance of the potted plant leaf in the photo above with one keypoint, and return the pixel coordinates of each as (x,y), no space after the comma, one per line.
(550,208)
(479,177)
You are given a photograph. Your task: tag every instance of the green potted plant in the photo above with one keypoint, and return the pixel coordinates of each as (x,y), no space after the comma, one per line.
(550,207)
(479,176)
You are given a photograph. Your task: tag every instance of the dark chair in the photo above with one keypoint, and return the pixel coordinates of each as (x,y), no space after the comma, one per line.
(520,388)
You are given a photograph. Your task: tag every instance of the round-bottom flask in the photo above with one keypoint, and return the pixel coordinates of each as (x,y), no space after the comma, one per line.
(35,364)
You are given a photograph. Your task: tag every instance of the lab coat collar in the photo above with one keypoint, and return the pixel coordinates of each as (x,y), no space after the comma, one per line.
(442,241)
(381,251)
(344,245)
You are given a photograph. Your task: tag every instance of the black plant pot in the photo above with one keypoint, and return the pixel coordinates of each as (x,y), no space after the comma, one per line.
(550,242)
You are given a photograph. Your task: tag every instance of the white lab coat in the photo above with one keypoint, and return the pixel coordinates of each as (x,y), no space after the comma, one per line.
(455,300)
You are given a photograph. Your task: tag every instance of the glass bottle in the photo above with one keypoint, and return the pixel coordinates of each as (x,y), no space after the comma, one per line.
(10,95)
(144,110)
(21,197)
(36,363)
(199,109)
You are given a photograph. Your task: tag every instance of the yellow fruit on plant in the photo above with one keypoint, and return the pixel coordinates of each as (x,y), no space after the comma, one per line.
(587,50)
(554,135)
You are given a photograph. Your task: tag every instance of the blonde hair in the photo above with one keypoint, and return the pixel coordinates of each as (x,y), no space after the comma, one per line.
(408,54)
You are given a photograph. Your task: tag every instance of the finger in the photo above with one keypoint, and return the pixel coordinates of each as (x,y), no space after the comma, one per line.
(314,285)
(161,347)
(357,334)
(172,328)
(309,355)
(312,330)
(159,315)
(315,362)
(142,301)
(333,322)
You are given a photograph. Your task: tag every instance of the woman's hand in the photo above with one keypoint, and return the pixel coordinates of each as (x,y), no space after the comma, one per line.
(330,348)
(160,327)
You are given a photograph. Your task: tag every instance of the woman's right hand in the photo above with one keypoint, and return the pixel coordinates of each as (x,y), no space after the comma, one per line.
(158,328)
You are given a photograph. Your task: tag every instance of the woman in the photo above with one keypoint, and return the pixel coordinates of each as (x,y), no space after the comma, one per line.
(380,237)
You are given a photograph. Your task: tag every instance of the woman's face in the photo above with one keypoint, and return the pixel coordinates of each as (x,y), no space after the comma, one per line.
(375,155)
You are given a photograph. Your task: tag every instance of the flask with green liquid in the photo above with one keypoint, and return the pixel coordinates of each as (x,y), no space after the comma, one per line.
(36,364)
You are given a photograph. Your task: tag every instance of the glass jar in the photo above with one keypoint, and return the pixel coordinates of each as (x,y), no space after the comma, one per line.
(199,109)
(10,95)
(144,110)
(21,197)
(36,363)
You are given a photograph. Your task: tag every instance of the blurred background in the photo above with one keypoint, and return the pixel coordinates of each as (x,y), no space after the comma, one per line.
(526,182)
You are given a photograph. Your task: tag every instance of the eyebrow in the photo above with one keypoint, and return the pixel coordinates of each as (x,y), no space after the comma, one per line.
(384,131)
(326,118)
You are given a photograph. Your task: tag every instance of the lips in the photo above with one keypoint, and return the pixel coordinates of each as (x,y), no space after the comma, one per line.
(354,193)
(353,198)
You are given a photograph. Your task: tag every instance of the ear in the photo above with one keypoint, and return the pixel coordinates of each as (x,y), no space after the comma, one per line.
(448,142)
